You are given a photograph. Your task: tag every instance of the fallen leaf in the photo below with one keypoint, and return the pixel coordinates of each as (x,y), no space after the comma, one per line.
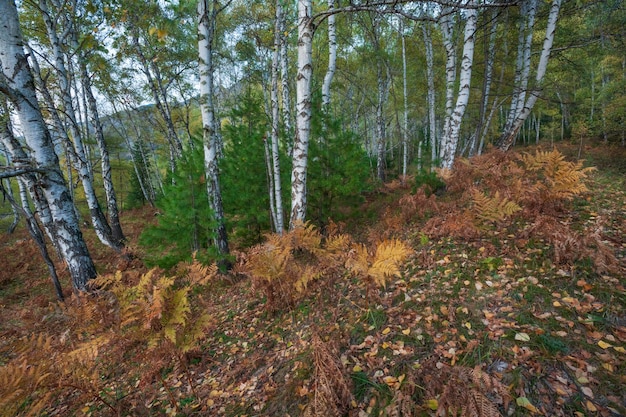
(587,391)
(523,402)
(406,332)
(387,330)
(433,404)
(604,345)
(523,337)
(590,406)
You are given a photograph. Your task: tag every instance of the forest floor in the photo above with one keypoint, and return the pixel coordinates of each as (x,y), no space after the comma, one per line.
(496,312)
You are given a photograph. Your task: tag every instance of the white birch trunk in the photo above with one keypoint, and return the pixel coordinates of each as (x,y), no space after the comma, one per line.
(276,200)
(303,114)
(405,119)
(447,23)
(451,135)
(332,59)
(207,14)
(430,75)
(63,224)
(506,141)
(528,10)
(81,160)
(284,80)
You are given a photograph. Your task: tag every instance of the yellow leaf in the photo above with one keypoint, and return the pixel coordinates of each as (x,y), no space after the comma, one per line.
(620,349)
(468,325)
(523,337)
(357,368)
(406,332)
(523,402)
(556,304)
(608,367)
(385,345)
(433,404)
(604,345)
(590,406)
(387,330)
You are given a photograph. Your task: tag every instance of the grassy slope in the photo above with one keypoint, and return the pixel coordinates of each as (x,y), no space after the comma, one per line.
(491,319)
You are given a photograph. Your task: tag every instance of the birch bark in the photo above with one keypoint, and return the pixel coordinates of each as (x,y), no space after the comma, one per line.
(332,59)
(430,76)
(207,13)
(451,134)
(18,84)
(506,140)
(276,200)
(303,114)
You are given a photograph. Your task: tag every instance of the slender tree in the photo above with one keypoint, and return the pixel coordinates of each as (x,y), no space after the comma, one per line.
(207,18)
(17,84)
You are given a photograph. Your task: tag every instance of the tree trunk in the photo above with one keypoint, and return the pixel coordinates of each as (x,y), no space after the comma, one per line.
(506,140)
(528,10)
(207,14)
(18,79)
(276,189)
(332,59)
(405,119)
(114,217)
(303,114)
(447,22)
(430,75)
(451,135)
(80,158)
(490,55)
(284,79)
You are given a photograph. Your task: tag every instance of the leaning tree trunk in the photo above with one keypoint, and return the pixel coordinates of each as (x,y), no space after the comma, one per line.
(506,140)
(18,85)
(114,216)
(528,10)
(450,138)
(80,158)
(207,14)
(303,114)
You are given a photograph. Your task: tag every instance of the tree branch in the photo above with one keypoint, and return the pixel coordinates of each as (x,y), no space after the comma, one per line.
(5,172)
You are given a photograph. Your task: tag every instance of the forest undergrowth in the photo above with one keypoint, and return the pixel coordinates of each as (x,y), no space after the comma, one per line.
(502,294)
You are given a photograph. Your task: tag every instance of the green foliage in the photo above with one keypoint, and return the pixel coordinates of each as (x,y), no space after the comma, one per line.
(430,181)
(244,176)
(338,169)
(185,223)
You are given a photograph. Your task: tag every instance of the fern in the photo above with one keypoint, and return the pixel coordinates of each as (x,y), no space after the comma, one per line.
(381,266)
(494,208)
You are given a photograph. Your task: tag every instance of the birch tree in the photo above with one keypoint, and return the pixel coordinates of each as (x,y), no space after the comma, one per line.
(303,113)
(17,84)
(276,199)
(508,137)
(430,79)
(74,135)
(332,59)
(207,16)
(452,125)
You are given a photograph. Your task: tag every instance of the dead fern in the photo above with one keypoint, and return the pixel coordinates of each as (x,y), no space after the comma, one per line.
(331,390)
(285,265)
(382,265)
(461,391)
(557,179)
(492,209)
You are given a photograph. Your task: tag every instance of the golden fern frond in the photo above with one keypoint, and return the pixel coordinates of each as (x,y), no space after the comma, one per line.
(194,333)
(306,236)
(306,275)
(494,208)
(386,263)
(358,262)
(199,274)
(338,243)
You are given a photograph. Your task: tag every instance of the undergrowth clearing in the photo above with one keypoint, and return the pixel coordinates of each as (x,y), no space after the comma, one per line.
(503,295)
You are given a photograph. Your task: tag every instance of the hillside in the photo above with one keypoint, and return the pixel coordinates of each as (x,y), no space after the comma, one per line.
(502,294)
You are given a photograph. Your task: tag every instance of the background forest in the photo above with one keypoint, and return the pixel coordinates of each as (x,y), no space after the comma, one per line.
(351,207)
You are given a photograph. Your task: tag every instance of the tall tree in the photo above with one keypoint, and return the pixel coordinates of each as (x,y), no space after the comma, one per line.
(507,138)
(18,85)
(452,125)
(303,113)
(207,18)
